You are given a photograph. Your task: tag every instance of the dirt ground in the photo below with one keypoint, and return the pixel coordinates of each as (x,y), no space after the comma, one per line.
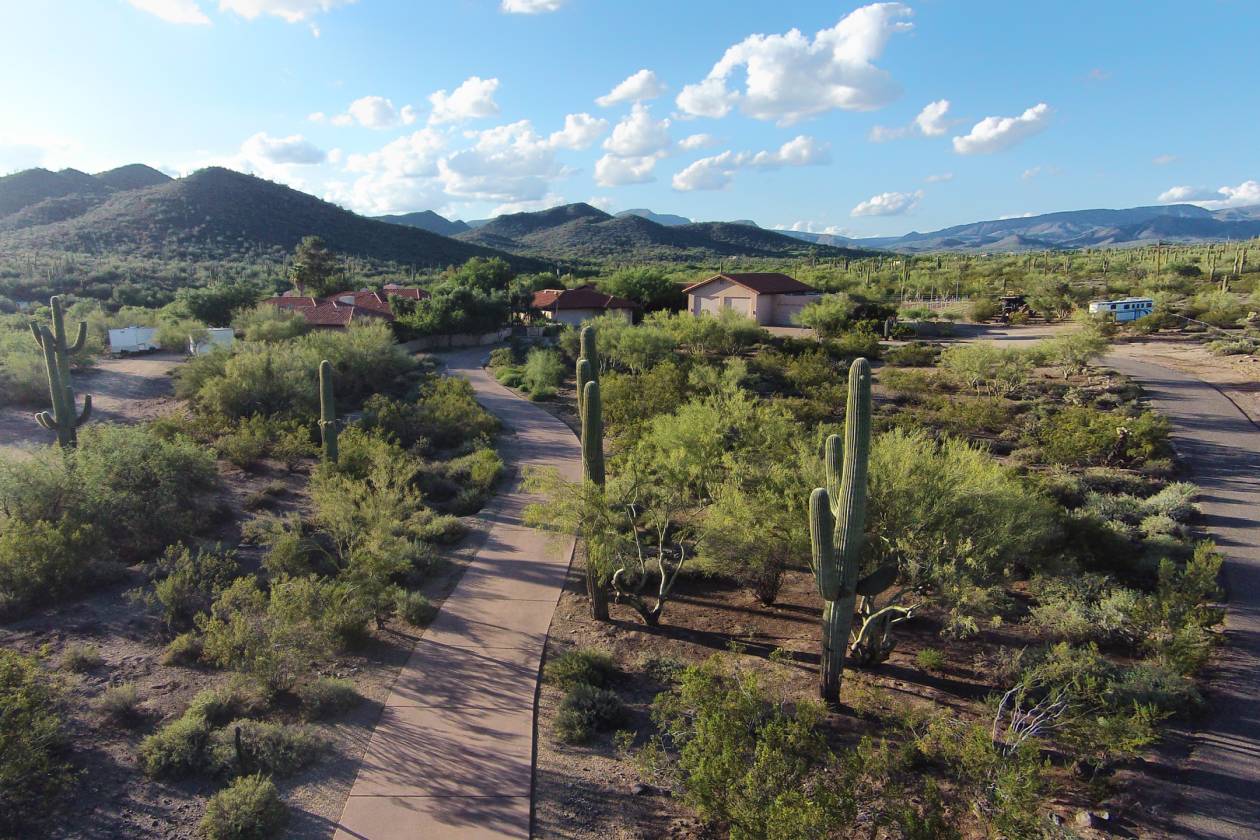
(127,389)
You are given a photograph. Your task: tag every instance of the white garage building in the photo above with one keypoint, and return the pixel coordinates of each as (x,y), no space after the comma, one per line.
(770,299)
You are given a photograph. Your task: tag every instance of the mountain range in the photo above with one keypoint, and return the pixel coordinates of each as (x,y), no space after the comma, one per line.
(1168,223)
(580,232)
(212,214)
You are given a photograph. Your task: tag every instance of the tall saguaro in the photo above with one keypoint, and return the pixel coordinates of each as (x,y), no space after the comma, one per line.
(57,348)
(590,410)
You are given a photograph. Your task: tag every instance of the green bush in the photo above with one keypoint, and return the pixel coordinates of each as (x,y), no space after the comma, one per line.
(175,750)
(451,415)
(860,342)
(930,659)
(247,444)
(248,809)
(580,666)
(33,773)
(187,581)
(120,704)
(184,649)
(414,608)
(44,561)
(276,749)
(236,698)
(917,354)
(543,372)
(327,697)
(586,710)
(79,657)
(1081,435)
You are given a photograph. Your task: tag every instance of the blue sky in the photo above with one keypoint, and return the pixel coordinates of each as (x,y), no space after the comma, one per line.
(867,120)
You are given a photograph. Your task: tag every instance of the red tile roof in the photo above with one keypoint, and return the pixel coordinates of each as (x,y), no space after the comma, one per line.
(583,297)
(763,283)
(341,309)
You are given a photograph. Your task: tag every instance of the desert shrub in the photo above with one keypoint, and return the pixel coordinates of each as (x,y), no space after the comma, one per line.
(43,561)
(586,710)
(142,491)
(188,581)
(858,342)
(930,659)
(293,445)
(274,636)
(1073,352)
(33,772)
(80,657)
(267,323)
(248,809)
(1082,435)
(725,335)
(543,372)
(641,348)
(935,503)
(1234,346)
(120,704)
(175,750)
(451,415)
(910,383)
(184,649)
(397,420)
(413,607)
(236,698)
(580,666)
(476,474)
(502,357)
(327,697)
(829,316)
(1085,608)
(745,763)
(276,749)
(247,444)
(1157,685)
(630,400)
(916,354)
(982,309)
(988,368)
(289,545)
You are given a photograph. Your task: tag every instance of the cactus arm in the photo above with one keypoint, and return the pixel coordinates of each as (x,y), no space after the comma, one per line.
(79,338)
(45,419)
(583,376)
(39,338)
(877,581)
(592,435)
(87,410)
(589,349)
(327,412)
(822,549)
(851,505)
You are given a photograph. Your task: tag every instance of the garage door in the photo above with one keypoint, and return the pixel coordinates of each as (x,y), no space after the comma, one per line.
(708,306)
(742,305)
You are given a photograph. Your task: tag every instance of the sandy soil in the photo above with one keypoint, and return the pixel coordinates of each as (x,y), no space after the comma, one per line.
(127,389)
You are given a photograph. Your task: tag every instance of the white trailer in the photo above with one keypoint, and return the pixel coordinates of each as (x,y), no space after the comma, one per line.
(133,339)
(203,341)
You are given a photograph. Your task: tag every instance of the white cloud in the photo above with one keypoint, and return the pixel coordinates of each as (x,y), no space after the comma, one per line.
(399,177)
(1031,173)
(508,163)
(883,133)
(317,117)
(294,149)
(293,11)
(603,202)
(939,178)
(546,202)
(642,85)
(374,112)
(580,132)
(717,171)
(791,77)
(638,134)
(993,134)
(696,141)
(1244,195)
(813,227)
(24,151)
(888,204)
(474,98)
(1164,160)
(173,11)
(530,7)
(614,171)
(932,120)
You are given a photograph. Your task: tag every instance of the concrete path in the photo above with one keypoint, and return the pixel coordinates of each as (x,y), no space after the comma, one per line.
(453,754)
(1219,786)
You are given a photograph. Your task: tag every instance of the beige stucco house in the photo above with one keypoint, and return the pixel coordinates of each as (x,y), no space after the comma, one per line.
(573,306)
(770,299)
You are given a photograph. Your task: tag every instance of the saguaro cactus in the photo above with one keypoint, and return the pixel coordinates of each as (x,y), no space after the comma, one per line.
(837,519)
(61,343)
(327,412)
(63,418)
(591,412)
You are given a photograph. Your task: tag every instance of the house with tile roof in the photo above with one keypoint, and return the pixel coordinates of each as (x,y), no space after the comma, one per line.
(344,308)
(573,306)
(769,298)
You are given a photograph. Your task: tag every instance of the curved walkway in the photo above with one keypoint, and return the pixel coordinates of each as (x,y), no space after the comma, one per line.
(452,755)
(1219,786)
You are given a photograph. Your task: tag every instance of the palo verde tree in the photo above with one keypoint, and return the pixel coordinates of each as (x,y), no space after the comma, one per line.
(837,519)
(57,348)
